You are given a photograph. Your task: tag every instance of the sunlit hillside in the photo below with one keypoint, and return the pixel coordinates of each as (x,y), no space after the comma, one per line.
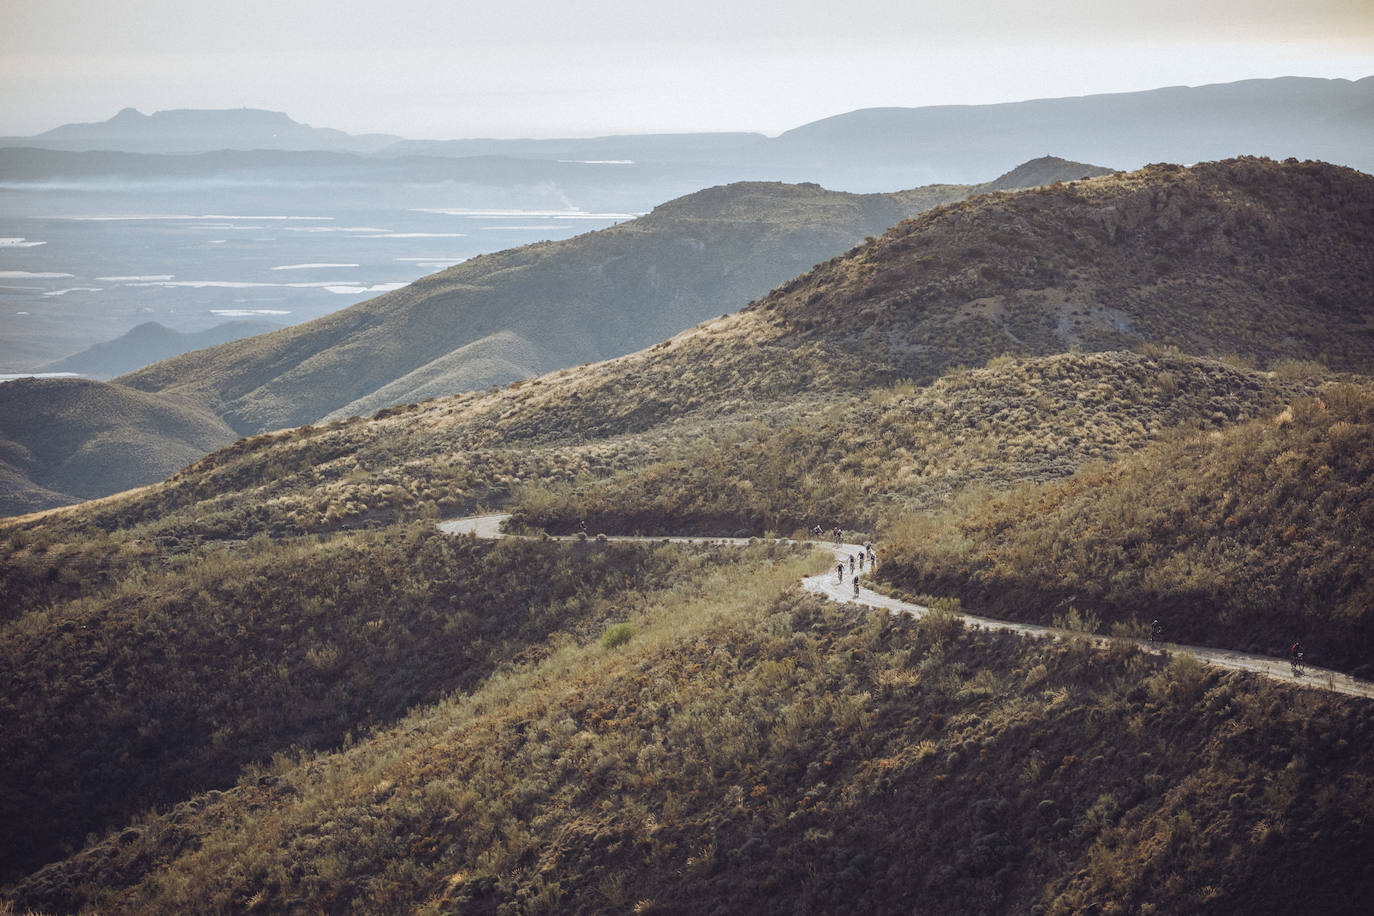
(592,297)
(272,684)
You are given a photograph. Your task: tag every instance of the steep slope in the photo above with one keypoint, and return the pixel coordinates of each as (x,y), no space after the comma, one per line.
(79,439)
(1250,257)
(1246,256)
(589,298)
(752,751)
(241,654)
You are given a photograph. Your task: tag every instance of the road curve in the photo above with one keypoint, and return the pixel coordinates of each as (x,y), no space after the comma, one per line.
(829,585)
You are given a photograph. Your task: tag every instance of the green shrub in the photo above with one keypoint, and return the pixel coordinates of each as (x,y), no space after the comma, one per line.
(617,636)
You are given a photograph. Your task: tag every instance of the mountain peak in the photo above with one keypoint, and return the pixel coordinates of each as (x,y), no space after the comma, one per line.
(1044,170)
(184,130)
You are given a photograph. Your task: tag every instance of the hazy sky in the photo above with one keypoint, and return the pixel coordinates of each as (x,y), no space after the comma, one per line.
(457,68)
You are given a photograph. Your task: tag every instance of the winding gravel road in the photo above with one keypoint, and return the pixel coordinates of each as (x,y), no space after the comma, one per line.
(829,586)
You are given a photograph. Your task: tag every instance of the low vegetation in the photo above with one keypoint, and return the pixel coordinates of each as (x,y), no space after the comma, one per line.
(1251,536)
(752,749)
(1212,259)
(861,460)
(173,680)
(592,297)
(270,684)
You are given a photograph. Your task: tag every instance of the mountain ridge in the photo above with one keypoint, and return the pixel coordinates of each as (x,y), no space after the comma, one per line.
(1283,117)
(584,299)
(196,130)
(1306,117)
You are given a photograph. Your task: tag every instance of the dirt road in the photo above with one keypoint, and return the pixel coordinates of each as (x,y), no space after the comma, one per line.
(831,586)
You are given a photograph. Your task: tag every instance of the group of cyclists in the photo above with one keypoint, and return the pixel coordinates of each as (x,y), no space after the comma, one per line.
(866,555)
(1296,652)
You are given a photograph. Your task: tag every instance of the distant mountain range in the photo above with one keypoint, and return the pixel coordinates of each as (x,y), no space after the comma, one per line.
(871,149)
(194,131)
(1327,120)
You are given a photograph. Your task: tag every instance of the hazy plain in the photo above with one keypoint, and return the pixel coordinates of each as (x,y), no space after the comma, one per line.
(84,262)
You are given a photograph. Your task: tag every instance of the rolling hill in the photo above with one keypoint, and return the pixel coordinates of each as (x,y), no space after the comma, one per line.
(270,683)
(63,440)
(151,342)
(1205,259)
(589,298)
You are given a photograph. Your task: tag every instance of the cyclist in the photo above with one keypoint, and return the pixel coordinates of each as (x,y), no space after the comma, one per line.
(1295,655)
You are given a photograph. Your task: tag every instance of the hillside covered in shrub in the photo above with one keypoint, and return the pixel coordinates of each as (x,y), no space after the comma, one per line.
(1253,536)
(172,681)
(270,683)
(753,750)
(858,460)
